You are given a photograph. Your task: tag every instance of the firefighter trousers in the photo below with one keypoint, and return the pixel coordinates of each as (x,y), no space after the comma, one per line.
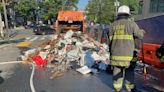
(123,74)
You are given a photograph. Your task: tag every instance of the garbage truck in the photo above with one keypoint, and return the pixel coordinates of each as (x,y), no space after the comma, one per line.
(152,51)
(70,20)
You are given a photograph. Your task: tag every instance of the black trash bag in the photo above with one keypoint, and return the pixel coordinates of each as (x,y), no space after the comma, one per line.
(160,53)
(55,62)
(96,66)
(62,46)
(109,69)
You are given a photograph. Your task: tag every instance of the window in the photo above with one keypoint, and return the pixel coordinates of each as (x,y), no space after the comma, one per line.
(161,6)
(140,7)
(156,6)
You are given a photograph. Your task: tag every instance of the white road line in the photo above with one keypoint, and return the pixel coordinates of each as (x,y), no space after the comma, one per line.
(43,38)
(28,38)
(50,36)
(34,38)
(3,46)
(32,73)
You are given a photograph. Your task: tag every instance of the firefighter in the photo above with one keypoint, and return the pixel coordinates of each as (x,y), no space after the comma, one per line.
(122,33)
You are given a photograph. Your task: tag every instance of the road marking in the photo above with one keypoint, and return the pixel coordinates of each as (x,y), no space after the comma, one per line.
(34,39)
(28,38)
(32,73)
(51,36)
(3,46)
(43,38)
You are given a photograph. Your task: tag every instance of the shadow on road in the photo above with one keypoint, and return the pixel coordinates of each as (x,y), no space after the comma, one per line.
(105,78)
(12,41)
(1,79)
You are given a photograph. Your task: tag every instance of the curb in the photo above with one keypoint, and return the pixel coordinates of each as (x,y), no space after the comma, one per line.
(5,45)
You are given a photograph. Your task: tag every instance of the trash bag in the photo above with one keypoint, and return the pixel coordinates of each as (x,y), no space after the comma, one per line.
(109,69)
(95,66)
(62,45)
(55,62)
(68,34)
(39,61)
(160,53)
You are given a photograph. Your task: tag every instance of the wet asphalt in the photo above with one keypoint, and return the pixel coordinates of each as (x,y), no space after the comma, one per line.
(16,77)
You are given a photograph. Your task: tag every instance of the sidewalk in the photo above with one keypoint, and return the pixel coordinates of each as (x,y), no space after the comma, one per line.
(12,33)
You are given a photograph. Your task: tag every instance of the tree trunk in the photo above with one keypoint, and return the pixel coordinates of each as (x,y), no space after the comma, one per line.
(1,27)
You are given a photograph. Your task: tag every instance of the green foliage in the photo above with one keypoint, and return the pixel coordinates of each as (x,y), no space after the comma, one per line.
(104,10)
(47,9)
(100,11)
(1,7)
(52,7)
(25,8)
(133,4)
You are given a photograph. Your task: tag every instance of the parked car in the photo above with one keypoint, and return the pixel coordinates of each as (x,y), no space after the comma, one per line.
(43,30)
(32,25)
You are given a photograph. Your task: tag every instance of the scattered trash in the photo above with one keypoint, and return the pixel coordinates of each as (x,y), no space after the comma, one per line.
(56,74)
(68,34)
(84,70)
(69,51)
(39,61)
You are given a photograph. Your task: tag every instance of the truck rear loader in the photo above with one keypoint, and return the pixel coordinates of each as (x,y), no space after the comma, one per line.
(70,20)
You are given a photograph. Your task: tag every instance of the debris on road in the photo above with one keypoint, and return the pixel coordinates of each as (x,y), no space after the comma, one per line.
(69,51)
(84,70)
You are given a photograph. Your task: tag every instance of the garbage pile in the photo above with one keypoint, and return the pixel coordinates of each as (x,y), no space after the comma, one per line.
(72,50)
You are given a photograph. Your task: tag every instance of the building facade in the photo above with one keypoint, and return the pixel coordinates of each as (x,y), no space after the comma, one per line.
(150,8)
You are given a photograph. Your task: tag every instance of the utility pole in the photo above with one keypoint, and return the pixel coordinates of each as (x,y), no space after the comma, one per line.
(1,27)
(14,19)
(6,20)
(37,12)
(116,4)
(100,30)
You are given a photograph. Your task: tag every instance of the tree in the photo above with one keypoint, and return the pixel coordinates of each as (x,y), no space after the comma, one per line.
(133,4)
(100,11)
(1,7)
(52,7)
(25,8)
(104,10)
(45,9)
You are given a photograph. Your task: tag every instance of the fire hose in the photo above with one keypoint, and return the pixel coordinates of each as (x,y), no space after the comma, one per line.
(32,73)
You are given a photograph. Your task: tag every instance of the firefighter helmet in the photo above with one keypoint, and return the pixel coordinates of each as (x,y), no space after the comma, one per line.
(123,10)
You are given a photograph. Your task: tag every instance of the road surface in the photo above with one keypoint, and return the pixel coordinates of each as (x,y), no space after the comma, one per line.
(16,77)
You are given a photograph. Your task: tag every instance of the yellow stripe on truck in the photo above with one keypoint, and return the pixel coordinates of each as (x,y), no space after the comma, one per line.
(121,37)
